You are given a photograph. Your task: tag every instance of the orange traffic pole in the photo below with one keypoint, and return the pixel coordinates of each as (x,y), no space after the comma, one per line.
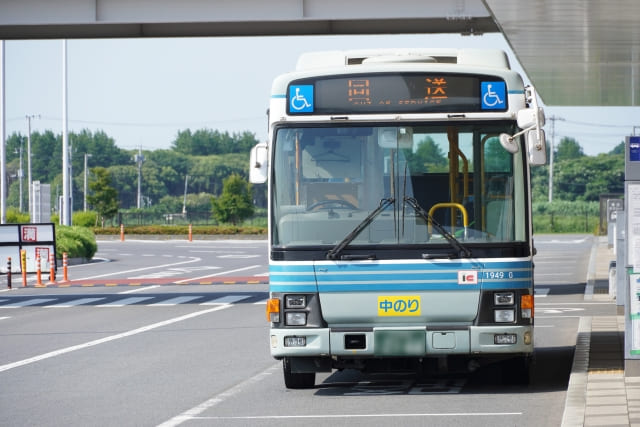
(122,232)
(38,271)
(190,233)
(52,268)
(65,267)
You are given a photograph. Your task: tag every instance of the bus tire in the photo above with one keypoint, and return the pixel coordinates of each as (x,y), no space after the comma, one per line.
(296,380)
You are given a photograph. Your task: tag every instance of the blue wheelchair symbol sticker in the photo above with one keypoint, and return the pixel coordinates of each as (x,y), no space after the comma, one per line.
(493,95)
(301,99)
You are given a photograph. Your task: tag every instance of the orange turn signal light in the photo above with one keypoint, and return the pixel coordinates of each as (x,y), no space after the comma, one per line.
(526,302)
(273,310)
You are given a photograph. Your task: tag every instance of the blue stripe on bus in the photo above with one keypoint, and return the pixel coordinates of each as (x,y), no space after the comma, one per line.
(352,277)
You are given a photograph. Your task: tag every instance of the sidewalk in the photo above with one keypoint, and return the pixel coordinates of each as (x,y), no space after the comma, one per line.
(599,394)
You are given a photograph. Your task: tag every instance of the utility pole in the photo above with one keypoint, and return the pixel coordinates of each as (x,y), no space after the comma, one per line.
(30,190)
(67,209)
(3,179)
(21,178)
(553,141)
(86,156)
(184,203)
(139,158)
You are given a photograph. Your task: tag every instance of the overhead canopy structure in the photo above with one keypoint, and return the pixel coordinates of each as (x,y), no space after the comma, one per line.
(576,52)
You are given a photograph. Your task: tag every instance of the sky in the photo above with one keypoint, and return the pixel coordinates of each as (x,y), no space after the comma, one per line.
(142,92)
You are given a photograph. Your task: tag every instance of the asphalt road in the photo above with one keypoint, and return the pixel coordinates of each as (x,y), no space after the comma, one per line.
(145,345)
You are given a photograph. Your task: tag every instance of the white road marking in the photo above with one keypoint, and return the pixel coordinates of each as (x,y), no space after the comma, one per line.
(361,416)
(144,288)
(125,301)
(541,292)
(219,274)
(110,338)
(74,302)
(194,412)
(193,259)
(229,299)
(175,301)
(29,302)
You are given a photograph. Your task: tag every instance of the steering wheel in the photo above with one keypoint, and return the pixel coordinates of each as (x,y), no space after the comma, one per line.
(343,204)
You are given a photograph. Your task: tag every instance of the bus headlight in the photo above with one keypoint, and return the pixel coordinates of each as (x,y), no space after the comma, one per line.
(296,319)
(504,298)
(295,301)
(504,316)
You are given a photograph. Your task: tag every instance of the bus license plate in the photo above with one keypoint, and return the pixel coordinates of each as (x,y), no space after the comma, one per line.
(406,305)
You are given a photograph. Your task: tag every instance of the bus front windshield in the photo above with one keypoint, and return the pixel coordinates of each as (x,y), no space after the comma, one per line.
(409,185)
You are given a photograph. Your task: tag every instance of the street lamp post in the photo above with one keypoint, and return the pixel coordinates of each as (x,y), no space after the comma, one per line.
(139,158)
(20,178)
(86,156)
(29,118)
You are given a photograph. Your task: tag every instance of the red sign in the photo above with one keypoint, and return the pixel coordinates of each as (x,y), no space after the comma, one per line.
(29,234)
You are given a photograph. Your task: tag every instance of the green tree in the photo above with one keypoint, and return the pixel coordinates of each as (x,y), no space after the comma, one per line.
(428,157)
(588,177)
(205,142)
(235,203)
(103,197)
(568,149)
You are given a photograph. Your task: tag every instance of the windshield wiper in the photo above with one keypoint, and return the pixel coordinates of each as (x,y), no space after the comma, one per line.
(462,250)
(334,253)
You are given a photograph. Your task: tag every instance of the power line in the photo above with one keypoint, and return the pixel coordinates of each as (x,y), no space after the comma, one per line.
(603,125)
(147,124)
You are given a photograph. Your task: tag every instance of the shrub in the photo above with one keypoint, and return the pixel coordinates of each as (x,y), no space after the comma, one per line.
(77,242)
(15,217)
(85,219)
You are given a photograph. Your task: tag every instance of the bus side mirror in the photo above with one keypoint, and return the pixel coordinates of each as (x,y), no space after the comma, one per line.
(527,118)
(536,147)
(259,164)
(530,120)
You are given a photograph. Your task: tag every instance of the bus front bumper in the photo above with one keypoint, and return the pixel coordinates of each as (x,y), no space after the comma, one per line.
(401,341)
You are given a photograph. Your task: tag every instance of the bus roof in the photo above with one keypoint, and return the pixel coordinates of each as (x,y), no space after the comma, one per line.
(492,58)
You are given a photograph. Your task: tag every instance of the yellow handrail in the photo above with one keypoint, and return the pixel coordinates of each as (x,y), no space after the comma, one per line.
(465,217)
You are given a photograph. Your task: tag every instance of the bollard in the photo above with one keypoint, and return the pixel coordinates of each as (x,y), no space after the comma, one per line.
(9,272)
(23,266)
(65,266)
(52,268)
(190,233)
(38,270)
(122,232)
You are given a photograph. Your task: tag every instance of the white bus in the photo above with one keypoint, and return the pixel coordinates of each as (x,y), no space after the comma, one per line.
(400,211)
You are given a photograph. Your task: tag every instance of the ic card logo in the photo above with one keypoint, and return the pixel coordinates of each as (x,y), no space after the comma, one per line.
(468,277)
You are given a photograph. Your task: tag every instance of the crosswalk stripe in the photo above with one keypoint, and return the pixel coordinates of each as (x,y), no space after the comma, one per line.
(541,292)
(74,302)
(175,301)
(125,301)
(229,299)
(29,302)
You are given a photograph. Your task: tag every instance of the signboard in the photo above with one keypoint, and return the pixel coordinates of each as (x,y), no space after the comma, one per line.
(632,158)
(634,313)
(397,92)
(33,238)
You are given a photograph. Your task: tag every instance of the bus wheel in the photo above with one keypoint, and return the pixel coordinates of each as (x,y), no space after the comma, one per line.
(297,380)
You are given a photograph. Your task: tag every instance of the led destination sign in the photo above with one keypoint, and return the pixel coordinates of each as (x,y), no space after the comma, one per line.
(408,93)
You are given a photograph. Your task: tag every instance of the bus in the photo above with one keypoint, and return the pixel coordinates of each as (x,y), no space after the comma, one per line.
(400,232)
